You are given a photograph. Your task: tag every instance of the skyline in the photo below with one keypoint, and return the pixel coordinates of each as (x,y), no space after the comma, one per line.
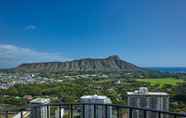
(146,33)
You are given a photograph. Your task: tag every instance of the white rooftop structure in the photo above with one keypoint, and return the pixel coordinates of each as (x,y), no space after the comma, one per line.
(144,91)
(40,101)
(94,97)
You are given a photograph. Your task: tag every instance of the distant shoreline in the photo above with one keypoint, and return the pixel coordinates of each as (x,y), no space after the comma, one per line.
(169,69)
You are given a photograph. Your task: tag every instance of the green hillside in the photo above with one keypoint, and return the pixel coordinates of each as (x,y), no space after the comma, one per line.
(162,81)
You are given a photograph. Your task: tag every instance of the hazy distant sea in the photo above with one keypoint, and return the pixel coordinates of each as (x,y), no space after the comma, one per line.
(170,69)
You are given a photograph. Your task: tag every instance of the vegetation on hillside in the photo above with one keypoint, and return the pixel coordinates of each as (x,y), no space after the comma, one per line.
(69,91)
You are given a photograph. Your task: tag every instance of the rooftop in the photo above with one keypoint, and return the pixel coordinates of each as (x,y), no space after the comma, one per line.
(93,97)
(144,91)
(149,93)
(40,101)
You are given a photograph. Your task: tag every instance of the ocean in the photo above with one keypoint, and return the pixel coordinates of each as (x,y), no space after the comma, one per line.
(170,69)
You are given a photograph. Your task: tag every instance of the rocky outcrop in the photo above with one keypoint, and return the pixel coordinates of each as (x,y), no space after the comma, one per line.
(110,64)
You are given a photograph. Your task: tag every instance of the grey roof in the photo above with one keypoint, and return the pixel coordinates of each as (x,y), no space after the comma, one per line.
(145,91)
(149,93)
(40,101)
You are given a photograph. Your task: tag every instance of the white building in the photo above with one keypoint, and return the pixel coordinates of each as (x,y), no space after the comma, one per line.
(142,98)
(39,108)
(100,109)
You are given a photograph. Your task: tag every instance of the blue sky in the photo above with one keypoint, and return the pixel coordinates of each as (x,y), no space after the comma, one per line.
(144,32)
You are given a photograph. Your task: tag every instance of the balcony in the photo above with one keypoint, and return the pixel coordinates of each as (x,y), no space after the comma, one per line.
(87,111)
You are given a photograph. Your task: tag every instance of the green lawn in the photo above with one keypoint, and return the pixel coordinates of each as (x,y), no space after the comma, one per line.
(162,81)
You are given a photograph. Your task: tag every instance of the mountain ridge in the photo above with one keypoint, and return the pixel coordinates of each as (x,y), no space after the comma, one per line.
(111,63)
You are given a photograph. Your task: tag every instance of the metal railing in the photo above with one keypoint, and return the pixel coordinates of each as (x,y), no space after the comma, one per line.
(88,111)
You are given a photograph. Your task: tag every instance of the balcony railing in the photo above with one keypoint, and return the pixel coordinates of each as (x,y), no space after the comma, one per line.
(88,111)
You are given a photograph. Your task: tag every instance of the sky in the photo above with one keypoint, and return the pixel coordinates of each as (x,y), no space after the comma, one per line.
(147,33)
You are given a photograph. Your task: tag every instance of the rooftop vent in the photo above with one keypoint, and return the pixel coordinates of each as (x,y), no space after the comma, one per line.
(143,90)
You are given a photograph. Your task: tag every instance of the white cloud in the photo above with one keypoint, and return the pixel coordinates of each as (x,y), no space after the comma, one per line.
(11,56)
(30,27)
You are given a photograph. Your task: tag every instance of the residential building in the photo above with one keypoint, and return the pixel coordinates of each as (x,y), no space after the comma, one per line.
(142,98)
(99,111)
(39,108)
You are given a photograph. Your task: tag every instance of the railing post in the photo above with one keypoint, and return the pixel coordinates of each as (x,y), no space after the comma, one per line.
(106,110)
(159,114)
(71,111)
(21,114)
(6,114)
(68,107)
(83,111)
(94,110)
(48,111)
(145,113)
(117,108)
(174,116)
(130,112)
(60,111)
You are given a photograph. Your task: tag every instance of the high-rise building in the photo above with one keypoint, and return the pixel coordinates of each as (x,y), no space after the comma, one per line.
(142,98)
(99,110)
(39,108)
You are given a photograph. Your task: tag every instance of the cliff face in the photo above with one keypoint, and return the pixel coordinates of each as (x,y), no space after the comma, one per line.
(110,64)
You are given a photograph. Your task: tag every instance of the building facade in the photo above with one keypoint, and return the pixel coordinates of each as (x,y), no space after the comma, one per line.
(42,111)
(99,111)
(142,98)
